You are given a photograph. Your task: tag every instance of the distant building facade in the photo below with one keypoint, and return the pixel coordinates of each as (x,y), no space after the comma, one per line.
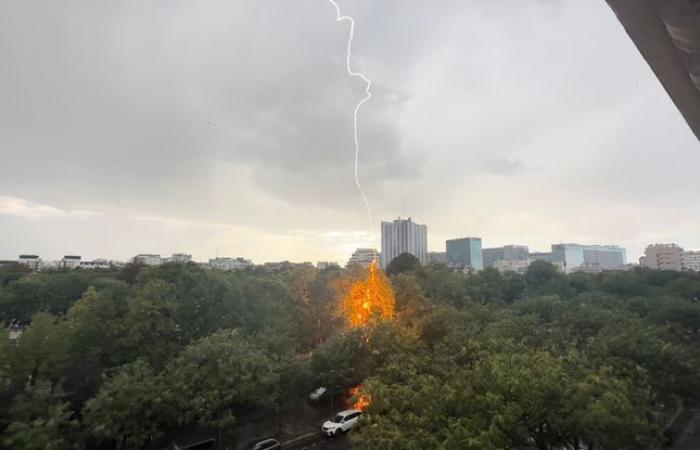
(547,257)
(541,256)
(323,265)
(404,236)
(363,257)
(227,264)
(512,265)
(507,253)
(181,258)
(663,257)
(284,265)
(574,256)
(465,252)
(437,257)
(691,260)
(99,263)
(70,262)
(31,261)
(149,259)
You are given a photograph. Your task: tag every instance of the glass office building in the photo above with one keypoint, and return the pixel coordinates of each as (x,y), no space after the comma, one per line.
(465,252)
(605,257)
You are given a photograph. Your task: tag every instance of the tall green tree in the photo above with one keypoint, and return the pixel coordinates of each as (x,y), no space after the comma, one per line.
(149,328)
(218,376)
(403,263)
(40,419)
(132,409)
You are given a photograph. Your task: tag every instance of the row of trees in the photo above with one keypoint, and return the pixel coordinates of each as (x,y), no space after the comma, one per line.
(121,359)
(483,361)
(545,360)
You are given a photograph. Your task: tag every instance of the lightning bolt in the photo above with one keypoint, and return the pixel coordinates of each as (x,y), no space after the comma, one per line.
(368,94)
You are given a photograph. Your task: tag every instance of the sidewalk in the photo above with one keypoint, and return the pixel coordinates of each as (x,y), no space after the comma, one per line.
(689,439)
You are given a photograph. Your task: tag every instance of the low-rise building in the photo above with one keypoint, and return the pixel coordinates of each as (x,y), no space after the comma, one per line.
(16,329)
(437,257)
(323,265)
(99,263)
(31,261)
(284,265)
(179,258)
(507,252)
(70,262)
(512,265)
(691,260)
(227,264)
(663,257)
(148,259)
(363,257)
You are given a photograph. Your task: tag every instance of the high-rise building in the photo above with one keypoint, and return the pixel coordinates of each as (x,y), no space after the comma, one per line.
(575,256)
(691,261)
(404,236)
(465,252)
(663,257)
(507,253)
(363,257)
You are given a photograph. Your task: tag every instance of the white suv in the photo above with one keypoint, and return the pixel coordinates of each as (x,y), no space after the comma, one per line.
(341,422)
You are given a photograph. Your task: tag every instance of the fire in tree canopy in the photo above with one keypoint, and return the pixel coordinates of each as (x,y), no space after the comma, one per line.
(369,299)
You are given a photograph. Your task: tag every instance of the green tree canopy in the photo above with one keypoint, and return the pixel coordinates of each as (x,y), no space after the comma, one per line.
(403,263)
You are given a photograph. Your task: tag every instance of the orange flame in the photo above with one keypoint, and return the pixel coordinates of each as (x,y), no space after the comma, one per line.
(359,399)
(369,298)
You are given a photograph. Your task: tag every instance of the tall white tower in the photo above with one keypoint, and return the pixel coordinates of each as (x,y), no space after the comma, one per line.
(404,236)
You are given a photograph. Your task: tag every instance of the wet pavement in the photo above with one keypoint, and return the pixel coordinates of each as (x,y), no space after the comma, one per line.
(690,437)
(303,419)
(322,443)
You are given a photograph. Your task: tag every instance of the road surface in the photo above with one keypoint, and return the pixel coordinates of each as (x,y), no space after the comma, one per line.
(322,443)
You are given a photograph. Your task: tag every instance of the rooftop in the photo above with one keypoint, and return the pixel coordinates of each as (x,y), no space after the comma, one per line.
(667,34)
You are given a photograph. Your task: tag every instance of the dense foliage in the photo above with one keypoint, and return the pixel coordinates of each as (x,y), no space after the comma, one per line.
(482,361)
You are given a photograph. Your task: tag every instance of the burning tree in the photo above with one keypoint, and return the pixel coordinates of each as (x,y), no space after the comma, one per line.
(369,299)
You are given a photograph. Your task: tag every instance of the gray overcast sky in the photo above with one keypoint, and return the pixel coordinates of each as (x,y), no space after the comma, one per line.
(226,127)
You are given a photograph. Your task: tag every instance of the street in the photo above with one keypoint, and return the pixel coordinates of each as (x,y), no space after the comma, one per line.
(322,443)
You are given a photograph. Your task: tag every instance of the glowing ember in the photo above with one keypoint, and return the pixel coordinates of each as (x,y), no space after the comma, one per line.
(359,399)
(369,299)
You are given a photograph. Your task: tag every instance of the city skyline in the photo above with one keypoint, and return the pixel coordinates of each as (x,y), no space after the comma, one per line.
(630,259)
(462,254)
(185,150)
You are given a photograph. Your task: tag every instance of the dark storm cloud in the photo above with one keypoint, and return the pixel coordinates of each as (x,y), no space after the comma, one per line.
(108,100)
(227,125)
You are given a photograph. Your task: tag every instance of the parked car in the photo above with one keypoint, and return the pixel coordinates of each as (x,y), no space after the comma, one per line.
(317,393)
(267,444)
(342,422)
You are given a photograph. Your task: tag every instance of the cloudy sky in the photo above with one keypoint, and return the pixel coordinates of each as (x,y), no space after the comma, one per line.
(225,127)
